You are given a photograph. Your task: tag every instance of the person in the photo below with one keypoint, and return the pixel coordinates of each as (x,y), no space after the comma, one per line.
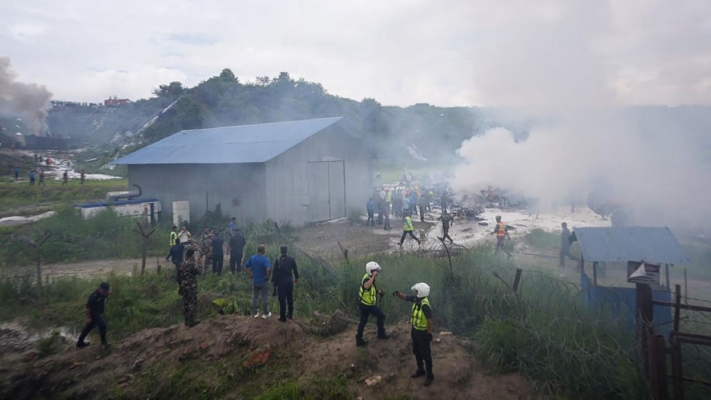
(443,199)
(175,255)
(422,204)
(236,250)
(95,315)
(501,235)
(387,226)
(368,293)
(232,226)
(259,270)
(370,207)
(174,235)
(284,268)
(184,234)
(65,177)
(41,178)
(16,171)
(446,221)
(397,204)
(35,158)
(405,205)
(82,177)
(206,248)
(388,200)
(380,205)
(430,199)
(218,256)
(565,242)
(41,159)
(32,178)
(188,288)
(407,229)
(422,325)
(413,203)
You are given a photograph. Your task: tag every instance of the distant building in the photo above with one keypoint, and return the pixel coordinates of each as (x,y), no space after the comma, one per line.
(116,102)
(298,171)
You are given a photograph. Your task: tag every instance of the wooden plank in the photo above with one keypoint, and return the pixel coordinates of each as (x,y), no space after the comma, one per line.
(660,350)
(682,306)
(677,303)
(676,373)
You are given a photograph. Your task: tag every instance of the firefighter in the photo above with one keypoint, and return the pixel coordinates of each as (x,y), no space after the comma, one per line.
(502,234)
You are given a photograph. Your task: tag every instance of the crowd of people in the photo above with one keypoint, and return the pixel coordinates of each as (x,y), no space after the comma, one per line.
(36,174)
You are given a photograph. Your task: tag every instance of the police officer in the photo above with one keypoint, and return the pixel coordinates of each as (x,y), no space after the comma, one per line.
(188,288)
(95,315)
(422,325)
(174,235)
(176,256)
(284,270)
(368,293)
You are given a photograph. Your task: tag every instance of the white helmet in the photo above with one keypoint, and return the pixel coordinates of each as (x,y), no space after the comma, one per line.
(422,289)
(372,266)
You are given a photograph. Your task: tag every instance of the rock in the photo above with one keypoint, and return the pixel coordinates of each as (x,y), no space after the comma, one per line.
(31,355)
(445,334)
(373,380)
(329,325)
(203,346)
(257,358)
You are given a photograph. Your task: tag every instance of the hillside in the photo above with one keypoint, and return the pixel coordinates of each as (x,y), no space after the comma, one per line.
(239,357)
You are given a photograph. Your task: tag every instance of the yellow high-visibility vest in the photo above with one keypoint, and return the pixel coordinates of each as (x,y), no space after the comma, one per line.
(367,297)
(418,319)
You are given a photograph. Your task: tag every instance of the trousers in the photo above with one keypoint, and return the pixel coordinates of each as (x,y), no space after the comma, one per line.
(405,233)
(189,305)
(98,321)
(260,289)
(235,262)
(421,350)
(285,290)
(365,312)
(217,261)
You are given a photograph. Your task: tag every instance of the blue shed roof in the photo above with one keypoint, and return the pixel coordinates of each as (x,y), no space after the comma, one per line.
(228,145)
(656,245)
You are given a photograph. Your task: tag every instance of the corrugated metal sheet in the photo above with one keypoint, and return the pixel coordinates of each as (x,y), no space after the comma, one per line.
(634,243)
(228,145)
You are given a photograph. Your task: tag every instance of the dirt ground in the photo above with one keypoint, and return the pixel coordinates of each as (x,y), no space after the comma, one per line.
(92,373)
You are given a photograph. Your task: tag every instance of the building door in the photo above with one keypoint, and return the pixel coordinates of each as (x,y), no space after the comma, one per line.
(327,190)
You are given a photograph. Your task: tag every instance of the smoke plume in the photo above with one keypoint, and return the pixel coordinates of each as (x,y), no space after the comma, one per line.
(28,101)
(653,158)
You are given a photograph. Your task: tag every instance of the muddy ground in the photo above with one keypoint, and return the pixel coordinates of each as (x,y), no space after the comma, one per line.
(145,364)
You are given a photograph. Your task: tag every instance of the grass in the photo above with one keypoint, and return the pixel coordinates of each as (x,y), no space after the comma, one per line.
(19,194)
(544,332)
(540,239)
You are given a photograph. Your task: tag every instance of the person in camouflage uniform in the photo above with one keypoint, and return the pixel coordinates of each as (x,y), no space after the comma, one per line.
(188,288)
(205,250)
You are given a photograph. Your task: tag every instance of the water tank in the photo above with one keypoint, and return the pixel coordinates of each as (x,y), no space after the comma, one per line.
(127,194)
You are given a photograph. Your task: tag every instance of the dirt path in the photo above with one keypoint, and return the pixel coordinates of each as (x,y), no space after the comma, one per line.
(145,364)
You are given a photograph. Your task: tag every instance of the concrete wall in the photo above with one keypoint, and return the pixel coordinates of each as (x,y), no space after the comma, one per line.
(288,180)
(240,188)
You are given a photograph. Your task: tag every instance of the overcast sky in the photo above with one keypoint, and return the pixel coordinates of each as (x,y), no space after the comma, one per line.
(445,52)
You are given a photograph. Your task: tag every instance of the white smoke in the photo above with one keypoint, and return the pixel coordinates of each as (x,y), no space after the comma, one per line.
(553,71)
(28,101)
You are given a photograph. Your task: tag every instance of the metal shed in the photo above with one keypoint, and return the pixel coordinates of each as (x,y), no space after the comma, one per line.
(297,171)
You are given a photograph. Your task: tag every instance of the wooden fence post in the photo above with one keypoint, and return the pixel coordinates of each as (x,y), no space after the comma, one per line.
(36,244)
(144,245)
(517,280)
(676,368)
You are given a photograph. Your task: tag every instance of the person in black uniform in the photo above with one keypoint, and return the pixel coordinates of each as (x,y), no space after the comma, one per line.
(95,315)
(236,250)
(284,267)
(422,325)
(218,256)
(176,257)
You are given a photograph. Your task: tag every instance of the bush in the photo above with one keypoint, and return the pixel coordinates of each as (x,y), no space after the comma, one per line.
(354,215)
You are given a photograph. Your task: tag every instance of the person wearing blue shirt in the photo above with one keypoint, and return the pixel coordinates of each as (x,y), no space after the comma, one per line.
(232,226)
(259,270)
(371,212)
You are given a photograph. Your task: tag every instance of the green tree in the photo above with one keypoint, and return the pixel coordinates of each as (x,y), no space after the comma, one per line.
(173,89)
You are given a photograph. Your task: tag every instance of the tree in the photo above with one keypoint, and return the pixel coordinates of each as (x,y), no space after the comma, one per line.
(173,89)
(227,75)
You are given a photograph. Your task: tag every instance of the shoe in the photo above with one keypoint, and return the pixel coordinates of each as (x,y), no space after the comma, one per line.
(256,315)
(82,344)
(419,373)
(282,319)
(266,316)
(290,316)
(193,323)
(384,336)
(428,380)
(106,345)
(360,342)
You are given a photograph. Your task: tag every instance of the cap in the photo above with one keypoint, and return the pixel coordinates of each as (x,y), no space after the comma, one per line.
(105,285)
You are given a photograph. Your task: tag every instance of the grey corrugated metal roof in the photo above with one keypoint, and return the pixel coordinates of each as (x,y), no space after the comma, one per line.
(655,245)
(228,145)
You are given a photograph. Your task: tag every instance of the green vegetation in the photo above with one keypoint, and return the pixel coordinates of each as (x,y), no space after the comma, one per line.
(13,195)
(544,332)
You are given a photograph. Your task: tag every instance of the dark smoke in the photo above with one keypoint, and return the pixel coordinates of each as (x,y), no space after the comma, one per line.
(28,101)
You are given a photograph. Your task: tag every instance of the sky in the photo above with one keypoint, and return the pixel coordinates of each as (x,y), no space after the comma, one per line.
(400,52)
